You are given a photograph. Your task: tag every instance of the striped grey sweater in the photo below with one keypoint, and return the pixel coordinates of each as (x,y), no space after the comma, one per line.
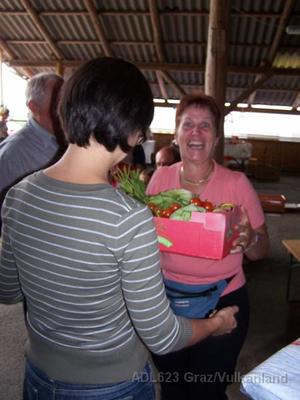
(86,260)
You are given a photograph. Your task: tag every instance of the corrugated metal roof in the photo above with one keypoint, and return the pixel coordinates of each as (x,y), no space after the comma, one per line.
(129,33)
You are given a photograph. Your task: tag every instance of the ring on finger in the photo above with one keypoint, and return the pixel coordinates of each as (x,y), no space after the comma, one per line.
(242,247)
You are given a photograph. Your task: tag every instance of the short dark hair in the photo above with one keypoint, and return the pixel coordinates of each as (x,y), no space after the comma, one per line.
(108,98)
(201,100)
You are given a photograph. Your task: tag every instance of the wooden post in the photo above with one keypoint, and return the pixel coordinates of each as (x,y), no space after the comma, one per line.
(59,69)
(217,61)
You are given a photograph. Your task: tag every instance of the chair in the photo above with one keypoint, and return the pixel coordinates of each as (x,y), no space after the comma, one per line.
(293,247)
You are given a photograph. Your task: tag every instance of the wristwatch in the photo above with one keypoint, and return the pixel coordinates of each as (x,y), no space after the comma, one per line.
(254,241)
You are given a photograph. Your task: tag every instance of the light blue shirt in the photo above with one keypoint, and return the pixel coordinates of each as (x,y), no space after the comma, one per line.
(30,149)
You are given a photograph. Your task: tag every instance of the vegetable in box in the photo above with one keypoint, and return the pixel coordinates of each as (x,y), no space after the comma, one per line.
(185,224)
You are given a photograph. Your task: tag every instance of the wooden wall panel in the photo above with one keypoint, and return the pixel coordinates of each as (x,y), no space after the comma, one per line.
(284,155)
(290,157)
(162,139)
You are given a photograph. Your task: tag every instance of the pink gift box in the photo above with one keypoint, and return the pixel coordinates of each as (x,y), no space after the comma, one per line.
(207,235)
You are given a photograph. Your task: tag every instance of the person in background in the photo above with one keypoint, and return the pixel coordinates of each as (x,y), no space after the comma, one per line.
(167,155)
(85,257)
(39,143)
(138,157)
(145,175)
(4,114)
(197,127)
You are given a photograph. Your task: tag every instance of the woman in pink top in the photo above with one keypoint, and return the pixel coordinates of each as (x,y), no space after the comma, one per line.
(204,370)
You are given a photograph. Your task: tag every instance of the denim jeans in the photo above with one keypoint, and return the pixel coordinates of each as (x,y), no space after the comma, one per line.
(37,386)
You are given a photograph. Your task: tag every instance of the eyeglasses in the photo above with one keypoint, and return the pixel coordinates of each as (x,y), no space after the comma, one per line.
(140,140)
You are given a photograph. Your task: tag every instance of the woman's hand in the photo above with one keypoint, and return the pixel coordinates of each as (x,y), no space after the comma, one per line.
(253,242)
(245,233)
(219,323)
(227,320)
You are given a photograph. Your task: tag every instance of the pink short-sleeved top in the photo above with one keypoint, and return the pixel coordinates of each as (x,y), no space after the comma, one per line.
(225,185)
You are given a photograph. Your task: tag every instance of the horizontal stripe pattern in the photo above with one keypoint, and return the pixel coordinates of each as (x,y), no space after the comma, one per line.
(86,259)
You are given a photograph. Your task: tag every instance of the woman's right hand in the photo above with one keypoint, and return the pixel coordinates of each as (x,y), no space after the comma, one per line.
(226,316)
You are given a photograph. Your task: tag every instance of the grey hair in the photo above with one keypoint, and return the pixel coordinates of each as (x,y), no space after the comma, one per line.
(35,89)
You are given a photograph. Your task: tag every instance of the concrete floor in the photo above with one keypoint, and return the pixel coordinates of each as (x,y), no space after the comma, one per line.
(274,322)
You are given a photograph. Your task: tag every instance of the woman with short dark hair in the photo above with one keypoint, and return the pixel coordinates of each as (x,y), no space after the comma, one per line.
(84,254)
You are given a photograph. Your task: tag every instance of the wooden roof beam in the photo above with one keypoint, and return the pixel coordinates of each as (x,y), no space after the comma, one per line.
(158,44)
(6,49)
(288,7)
(10,55)
(162,66)
(144,42)
(89,5)
(248,92)
(34,16)
(154,15)
(296,102)
(161,85)
(246,109)
(266,110)
(144,13)
(156,30)
(171,81)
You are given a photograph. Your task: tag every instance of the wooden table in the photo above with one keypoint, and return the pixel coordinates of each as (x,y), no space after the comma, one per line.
(293,247)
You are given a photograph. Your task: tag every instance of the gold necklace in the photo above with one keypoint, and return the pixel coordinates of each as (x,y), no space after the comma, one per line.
(203,180)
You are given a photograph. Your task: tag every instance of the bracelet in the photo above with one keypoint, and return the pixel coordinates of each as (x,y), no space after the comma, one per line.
(253,242)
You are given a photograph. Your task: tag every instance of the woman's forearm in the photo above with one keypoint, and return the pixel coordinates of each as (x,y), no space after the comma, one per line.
(259,245)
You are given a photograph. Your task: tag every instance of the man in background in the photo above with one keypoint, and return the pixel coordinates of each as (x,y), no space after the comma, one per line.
(167,155)
(40,142)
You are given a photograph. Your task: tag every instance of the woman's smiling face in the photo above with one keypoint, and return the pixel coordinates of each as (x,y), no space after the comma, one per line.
(196,134)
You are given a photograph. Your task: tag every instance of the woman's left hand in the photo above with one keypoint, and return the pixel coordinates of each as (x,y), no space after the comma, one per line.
(245,233)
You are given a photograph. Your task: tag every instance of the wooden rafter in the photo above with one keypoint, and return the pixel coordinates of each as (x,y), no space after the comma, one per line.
(164,66)
(142,43)
(296,102)
(154,15)
(157,44)
(35,17)
(288,7)
(89,4)
(168,78)
(161,85)
(186,13)
(251,109)
(4,46)
(10,56)
(247,92)
(266,110)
